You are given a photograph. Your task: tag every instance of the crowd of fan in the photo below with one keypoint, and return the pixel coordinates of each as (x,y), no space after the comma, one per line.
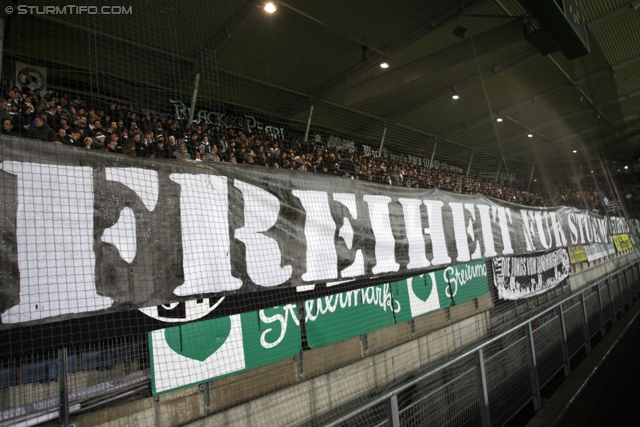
(142,133)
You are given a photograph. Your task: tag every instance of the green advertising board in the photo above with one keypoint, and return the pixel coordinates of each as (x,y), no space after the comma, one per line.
(335,318)
(196,352)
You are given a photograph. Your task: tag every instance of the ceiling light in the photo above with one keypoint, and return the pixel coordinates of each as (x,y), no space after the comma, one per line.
(575,151)
(530,135)
(626,167)
(270,7)
(591,171)
(384,65)
(456,96)
(499,119)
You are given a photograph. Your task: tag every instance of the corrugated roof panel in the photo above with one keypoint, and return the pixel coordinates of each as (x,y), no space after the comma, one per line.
(594,9)
(620,40)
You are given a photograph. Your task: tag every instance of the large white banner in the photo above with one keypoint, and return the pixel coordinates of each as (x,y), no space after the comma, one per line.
(29,76)
(523,277)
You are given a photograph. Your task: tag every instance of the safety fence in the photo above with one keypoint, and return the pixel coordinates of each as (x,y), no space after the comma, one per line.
(39,388)
(492,382)
(486,385)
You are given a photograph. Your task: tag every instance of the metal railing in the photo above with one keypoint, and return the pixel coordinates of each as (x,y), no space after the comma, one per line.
(486,385)
(490,383)
(42,387)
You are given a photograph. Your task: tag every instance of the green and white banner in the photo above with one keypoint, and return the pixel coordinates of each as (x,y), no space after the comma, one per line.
(202,351)
(197,352)
(335,318)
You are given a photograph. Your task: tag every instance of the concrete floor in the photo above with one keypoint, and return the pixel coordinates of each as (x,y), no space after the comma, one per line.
(612,396)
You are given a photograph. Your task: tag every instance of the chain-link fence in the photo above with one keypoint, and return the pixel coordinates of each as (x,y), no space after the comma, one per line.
(489,384)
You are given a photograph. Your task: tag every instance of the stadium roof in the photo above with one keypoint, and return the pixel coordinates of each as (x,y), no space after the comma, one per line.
(326,53)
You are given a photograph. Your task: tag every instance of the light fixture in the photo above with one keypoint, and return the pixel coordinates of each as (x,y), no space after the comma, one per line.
(456,96)
(459,31)
(270,7)
(591,171)
(575,151)
(530,135)
(384,65)
(499,119)
(626,167)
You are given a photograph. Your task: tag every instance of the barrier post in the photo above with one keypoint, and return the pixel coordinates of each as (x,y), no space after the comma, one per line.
(483,390)
(535,384)
(565,347)
(393,412)
(585,316)
(612,303)
(603,330)
(63,394)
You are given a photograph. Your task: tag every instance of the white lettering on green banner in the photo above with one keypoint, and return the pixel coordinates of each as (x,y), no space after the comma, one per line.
(335,318)
(197,352)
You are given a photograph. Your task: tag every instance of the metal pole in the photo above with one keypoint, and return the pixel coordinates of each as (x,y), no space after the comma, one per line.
(192,111)
(433,155)
(585,315)
(612,303)
(603,324)
(535,384)
(392,411)
(620,293)
(63,394)
(585,200)
(612,184)
(469,167)
(1,41)
(483,389)
(384,133)
(533,168)
(306,132)
(565,347)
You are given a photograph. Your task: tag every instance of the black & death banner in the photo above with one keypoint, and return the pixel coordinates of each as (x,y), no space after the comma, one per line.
(89,232)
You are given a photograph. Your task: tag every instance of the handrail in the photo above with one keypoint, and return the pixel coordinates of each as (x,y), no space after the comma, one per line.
(399,388)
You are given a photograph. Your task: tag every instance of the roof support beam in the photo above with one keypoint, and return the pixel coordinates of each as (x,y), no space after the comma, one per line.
(613,15)
(485,74)
(340,81)
(503,112)
(224,35)
(111,37)
(484,46)
(570,116)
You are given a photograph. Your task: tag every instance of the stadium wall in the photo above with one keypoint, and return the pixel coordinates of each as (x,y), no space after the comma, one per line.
(333,376)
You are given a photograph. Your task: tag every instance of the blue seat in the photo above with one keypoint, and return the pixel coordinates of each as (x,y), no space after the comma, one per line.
(7,377)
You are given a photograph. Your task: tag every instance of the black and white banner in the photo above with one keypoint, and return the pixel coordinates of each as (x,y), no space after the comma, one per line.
(31,77)
(523,277)
(87,231)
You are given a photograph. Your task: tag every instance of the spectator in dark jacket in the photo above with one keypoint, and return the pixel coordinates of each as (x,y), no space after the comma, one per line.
(8,128)
(42,131)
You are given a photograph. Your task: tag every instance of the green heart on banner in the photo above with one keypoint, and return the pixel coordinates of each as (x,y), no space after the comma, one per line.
(199,340)
(422,286)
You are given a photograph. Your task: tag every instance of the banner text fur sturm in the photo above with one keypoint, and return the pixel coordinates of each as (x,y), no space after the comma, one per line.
(87,231)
